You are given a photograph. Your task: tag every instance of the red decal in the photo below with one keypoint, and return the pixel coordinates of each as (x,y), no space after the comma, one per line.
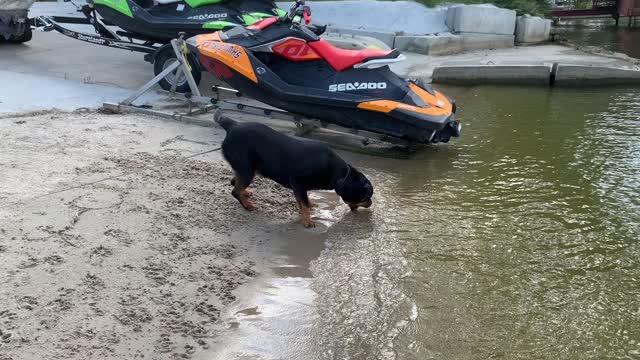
(295,50)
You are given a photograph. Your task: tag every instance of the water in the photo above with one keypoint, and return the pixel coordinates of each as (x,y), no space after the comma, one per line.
(603,33)
(518,241)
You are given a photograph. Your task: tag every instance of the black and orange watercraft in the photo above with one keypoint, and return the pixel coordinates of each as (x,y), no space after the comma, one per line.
(284,63)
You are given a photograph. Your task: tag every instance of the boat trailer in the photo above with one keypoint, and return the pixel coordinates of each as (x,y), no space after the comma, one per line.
(178,75)
(196,105)
(119,40)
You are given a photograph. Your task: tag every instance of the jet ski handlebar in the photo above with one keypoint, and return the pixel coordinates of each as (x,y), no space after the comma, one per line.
(300,15)
(296,9)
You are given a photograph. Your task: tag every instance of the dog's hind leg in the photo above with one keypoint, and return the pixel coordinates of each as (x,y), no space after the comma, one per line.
(242,180)
(233,183)
(303,203)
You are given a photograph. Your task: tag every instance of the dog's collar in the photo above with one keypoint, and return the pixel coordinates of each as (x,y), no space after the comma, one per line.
(341,182)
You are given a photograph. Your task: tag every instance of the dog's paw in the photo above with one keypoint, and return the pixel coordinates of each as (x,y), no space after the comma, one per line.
(309,224)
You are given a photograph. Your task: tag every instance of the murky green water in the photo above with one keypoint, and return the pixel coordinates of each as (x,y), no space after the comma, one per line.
(603,33)
(521,240)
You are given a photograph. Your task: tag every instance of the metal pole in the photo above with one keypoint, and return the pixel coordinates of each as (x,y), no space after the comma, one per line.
(150,84)
(185,66)
(180,64)
(175,80)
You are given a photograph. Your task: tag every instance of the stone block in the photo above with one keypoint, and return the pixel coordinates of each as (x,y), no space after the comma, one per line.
(471,41)
(532,29)
(484,19)
(493,74)
(430,45)
(577,75)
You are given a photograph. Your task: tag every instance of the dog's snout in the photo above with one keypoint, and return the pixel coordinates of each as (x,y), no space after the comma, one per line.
(365,204)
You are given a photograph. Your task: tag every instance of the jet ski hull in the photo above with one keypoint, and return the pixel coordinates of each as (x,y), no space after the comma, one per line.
(313,90)
(161,23)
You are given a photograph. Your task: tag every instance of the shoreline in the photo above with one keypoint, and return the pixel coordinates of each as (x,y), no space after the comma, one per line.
(125,243)
(122,244)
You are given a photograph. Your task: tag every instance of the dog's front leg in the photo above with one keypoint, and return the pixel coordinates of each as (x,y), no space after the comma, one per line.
(303,203)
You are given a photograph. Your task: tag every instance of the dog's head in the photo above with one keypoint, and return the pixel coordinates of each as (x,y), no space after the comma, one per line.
(355,189)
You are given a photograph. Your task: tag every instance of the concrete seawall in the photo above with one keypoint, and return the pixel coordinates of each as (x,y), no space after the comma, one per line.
(489,74)
(423,30)
(554,75)
(580,75)
(461,58)
(541,65)
(405,25)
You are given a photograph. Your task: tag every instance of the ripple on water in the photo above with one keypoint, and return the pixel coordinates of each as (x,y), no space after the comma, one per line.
(526,245)
(519,241)
(361,307)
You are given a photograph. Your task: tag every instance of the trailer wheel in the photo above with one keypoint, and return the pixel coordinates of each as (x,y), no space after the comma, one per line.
(164,59)
(22,38)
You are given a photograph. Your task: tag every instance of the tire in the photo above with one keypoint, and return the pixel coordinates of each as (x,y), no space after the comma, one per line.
(22,38)
(164,59)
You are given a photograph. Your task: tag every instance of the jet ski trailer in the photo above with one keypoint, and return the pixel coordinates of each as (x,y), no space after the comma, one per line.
(160,55)
(197,107)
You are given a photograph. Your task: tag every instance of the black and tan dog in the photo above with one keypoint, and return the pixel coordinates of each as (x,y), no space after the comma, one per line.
(300,165)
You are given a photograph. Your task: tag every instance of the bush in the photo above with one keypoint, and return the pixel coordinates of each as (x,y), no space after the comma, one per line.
(533,7)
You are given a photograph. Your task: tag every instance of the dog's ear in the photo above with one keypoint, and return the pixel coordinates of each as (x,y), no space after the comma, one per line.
(356,189)
(368,187)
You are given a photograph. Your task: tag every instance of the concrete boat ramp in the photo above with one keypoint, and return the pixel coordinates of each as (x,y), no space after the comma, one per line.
(63,73)
(59,72)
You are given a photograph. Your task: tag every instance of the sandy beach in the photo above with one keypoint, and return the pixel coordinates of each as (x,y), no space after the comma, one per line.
(119,241)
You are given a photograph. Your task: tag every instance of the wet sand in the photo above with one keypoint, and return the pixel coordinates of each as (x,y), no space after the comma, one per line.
(119,241)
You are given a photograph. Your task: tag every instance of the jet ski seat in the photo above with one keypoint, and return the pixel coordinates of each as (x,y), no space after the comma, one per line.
(145,4)
(343,59)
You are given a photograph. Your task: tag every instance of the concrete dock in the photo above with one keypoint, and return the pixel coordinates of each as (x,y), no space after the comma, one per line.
(524,65)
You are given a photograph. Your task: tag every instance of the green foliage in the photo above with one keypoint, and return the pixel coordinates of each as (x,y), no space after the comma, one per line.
(582,4)
(532,7)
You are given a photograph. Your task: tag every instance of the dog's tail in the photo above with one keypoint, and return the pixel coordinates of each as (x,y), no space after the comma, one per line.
(225,122)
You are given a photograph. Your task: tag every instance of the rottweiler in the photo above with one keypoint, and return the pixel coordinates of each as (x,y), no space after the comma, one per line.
(300,165)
